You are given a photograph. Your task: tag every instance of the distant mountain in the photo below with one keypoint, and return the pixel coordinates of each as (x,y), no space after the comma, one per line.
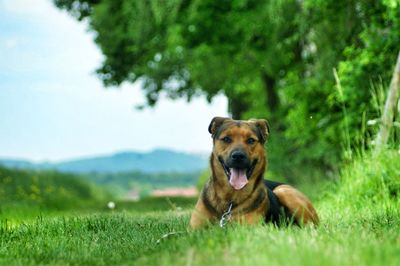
(152,162)
(20,164)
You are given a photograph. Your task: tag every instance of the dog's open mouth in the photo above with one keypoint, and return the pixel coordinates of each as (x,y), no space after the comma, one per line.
(237,177)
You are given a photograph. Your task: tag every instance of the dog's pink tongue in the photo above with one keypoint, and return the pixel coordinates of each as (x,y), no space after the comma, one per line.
(238,178)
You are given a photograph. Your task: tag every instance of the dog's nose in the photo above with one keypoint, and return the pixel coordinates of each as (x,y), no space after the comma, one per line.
(238,156)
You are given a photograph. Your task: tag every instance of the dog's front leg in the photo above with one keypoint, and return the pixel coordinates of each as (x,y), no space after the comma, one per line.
(201,217)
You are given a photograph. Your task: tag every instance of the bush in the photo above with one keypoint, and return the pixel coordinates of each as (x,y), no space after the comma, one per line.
(46,190)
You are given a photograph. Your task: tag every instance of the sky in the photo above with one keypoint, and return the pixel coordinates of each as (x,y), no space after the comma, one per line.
(53,107)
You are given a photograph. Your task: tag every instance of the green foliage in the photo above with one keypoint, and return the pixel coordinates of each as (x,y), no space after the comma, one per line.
(272,59)
(372,179)
(24,190)
(186,48)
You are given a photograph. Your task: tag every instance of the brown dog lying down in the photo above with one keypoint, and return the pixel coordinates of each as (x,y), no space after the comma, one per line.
(237,191)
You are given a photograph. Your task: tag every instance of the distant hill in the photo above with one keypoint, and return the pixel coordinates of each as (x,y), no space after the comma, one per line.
(152,162)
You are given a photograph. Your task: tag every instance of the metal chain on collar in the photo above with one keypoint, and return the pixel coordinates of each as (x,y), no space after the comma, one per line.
(226,216)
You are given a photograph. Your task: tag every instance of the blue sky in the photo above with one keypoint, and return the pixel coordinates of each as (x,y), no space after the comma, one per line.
(52,106)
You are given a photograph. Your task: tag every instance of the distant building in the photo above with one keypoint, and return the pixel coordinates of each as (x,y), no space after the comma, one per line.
(175,192)
(133,195)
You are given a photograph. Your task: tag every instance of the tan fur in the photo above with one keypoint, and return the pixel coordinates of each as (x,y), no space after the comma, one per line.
(201,216)
(255,217)
(297,203)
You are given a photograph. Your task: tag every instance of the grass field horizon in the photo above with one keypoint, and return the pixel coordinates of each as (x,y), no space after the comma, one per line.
(360,225)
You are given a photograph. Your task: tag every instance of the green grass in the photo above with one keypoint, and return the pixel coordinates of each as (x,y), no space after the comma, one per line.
(129,238)
(360,225)
(150,204)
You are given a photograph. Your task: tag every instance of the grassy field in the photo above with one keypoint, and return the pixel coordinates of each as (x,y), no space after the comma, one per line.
(360,225)
(130,237)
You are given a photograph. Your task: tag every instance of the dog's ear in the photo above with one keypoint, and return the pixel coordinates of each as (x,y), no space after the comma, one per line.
(262,128)
(215,123)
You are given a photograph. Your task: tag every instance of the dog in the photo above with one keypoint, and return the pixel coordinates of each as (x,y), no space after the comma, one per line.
(237,190)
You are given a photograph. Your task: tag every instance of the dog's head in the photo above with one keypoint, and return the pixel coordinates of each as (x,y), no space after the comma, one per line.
(238,149)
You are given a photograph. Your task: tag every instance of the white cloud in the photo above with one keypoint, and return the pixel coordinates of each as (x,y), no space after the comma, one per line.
(10,43)
(27,7)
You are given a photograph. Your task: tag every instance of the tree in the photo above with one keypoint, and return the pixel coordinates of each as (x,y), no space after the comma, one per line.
(183,48)
(272,59)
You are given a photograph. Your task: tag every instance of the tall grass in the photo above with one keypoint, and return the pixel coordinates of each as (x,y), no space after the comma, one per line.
(372,179)
(368,177)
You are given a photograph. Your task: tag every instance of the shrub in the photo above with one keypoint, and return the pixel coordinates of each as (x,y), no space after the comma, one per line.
(46,190)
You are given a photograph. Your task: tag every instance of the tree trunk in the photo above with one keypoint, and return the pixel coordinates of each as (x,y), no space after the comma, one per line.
(272,100)
(237,106)
(390,106)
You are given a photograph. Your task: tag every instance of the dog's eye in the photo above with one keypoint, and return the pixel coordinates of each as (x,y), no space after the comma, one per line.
(227,139)
(250,141)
